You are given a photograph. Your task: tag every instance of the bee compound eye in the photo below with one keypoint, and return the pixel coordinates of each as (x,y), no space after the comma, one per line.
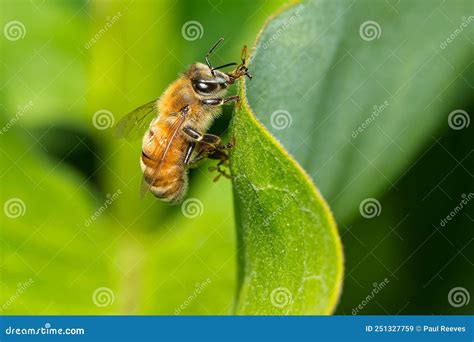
(204,87)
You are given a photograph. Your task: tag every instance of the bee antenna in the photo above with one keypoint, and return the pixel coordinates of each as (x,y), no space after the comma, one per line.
(225,65)
(211,50)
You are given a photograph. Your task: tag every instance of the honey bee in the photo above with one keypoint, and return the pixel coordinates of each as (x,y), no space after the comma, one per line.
(176,136)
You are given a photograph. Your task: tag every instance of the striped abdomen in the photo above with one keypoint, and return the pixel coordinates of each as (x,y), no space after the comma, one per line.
(167,178)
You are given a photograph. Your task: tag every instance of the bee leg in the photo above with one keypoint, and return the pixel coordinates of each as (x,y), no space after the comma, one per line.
(219,101)
(223,164)
(208,139)
(212,152)
(218,153)
(211,139)
(200,155)
(189,152)
(203,153)
(227,146)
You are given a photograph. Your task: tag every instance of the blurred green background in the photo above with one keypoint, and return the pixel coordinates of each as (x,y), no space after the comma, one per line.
(144,257)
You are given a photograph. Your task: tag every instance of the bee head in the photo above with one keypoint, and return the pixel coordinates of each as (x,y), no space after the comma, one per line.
(206,81)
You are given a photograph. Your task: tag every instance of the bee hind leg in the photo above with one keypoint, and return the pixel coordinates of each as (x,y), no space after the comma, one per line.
(216,153)
(222,166)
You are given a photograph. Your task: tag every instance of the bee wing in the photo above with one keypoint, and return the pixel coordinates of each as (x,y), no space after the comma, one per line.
(161,149)
(133,125)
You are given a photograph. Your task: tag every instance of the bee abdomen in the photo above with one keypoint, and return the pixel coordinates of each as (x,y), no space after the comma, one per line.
(167,182)
(169,190)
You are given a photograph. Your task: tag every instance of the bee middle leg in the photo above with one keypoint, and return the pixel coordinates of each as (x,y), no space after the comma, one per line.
(209,139)
(189,151)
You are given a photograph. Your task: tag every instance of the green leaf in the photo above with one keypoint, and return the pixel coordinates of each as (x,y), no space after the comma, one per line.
(290,255)
(366,84)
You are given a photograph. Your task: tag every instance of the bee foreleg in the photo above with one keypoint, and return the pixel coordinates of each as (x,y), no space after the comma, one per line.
(219,101)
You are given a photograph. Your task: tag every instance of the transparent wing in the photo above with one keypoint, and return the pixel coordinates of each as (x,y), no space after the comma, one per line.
(133,125)
(161,147)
